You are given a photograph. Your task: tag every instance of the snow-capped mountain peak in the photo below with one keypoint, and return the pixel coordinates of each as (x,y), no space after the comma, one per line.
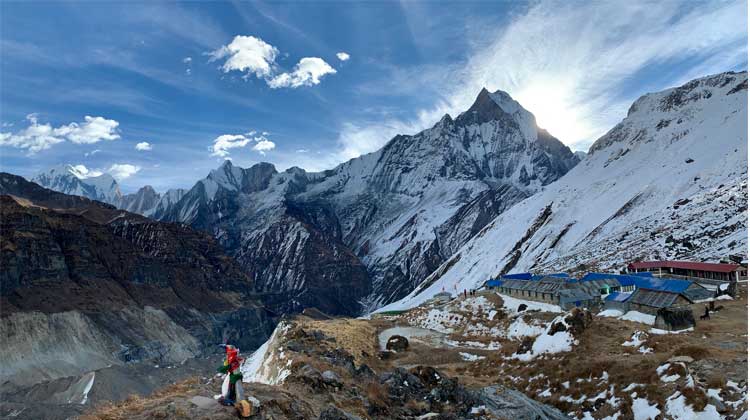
(668,182)
(77,180)
(398,211)
(500,106)
(670,113)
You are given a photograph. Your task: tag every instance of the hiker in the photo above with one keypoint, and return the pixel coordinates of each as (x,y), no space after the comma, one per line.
(464,293)
(231,368)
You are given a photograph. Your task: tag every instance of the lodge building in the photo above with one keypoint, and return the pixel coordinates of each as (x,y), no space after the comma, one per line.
(707,273)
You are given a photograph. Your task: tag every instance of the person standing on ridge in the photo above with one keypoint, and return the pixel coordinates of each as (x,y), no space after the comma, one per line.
(231,368)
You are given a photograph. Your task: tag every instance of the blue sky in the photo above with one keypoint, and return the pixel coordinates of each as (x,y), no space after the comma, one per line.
(85,83)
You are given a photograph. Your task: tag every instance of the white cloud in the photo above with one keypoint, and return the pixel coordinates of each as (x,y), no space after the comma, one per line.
(144,146)
(253,56)
(263,146)
(82,172)
(91,153)
(187,60)
(224,143)
(120,171)
(37,137)
(247,54)
(307,72)
(92,130)
(34,138)
(343,56)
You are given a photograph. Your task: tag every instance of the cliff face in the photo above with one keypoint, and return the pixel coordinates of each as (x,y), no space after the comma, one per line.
(119,286)
(368,231)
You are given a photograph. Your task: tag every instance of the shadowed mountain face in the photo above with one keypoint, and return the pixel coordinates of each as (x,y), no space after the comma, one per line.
(112,286)
(368,231)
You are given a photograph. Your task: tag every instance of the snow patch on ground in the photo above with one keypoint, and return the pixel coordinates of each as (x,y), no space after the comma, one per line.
(511,305)
(611,313)
(642,410)
(663,332)
(560,341)
(679,409)
(265,364)
(636,316)
(88,387)
(471,357)
(638,338)
(519,329)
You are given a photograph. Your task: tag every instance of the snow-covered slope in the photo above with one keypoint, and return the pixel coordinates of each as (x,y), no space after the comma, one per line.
(669,181)
(68,179)
(393,215)
(407,207)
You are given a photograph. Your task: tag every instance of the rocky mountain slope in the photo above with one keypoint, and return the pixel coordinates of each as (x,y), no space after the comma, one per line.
(669,181)
(368,231)
(85,286)
(484,356)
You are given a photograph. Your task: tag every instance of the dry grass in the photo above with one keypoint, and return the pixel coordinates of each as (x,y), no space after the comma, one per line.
(695,397)
(377,394)
(694,351)
(717,380)
(135,404)
(357,336)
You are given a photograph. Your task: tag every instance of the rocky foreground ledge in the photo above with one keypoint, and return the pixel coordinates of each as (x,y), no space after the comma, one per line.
(485,356)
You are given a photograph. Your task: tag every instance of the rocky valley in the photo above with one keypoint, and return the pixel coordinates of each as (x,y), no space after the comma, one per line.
(137,290)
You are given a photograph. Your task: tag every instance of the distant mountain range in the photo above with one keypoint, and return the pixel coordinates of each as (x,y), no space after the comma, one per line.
(476,195)
(68,179)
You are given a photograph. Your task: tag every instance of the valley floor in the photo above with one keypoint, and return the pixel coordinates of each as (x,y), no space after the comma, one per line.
(478,357)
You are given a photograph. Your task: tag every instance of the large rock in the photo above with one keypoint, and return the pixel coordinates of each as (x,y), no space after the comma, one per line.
(397,343)
(121,287)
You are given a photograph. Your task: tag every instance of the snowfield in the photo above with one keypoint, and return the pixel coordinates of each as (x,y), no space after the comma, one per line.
(668,182)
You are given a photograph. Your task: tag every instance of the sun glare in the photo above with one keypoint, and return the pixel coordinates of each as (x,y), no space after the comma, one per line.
(553,112)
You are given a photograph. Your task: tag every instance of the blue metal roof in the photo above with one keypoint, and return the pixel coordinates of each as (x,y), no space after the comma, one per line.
(518,276)
(641,282)
(643,274)
(617,297)
(563,275)
(494,283)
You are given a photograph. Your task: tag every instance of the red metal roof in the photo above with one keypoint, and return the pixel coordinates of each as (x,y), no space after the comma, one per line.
(686,265)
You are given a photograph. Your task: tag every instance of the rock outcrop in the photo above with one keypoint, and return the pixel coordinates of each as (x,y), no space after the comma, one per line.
(90,285)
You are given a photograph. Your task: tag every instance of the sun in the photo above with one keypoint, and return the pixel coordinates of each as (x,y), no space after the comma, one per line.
(553,111)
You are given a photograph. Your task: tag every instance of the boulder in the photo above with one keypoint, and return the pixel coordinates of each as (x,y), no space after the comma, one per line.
(681,359)
(331,378)
(556,328)
(674,318)
(364,371)
(579,320)
(526,345)
(522,307)
(397,343)
(427,374)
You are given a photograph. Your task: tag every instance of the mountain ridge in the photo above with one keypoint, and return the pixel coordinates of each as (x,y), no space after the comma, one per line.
(668,182)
